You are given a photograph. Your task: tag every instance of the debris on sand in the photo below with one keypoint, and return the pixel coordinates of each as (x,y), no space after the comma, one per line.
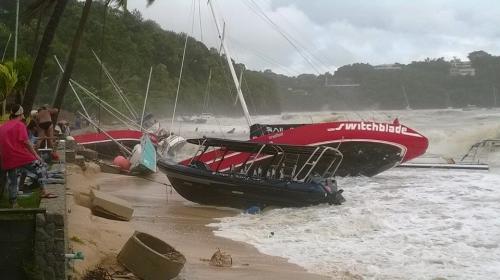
(221,259)
(98,273)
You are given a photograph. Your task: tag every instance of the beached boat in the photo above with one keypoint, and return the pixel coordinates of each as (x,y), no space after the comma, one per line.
(104,145)
(143,158)
(369,148)
(281,182)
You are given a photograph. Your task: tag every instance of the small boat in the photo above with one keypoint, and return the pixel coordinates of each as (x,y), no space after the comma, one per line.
(143,158)
(281,182)
(105,146)
(170,145)
(101,143)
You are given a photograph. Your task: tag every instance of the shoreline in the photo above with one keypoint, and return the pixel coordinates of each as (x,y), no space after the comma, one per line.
(160,211)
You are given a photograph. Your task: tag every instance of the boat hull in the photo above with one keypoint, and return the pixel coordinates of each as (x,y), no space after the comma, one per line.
(105,147)
(231,190)
(369,148)
(143,159)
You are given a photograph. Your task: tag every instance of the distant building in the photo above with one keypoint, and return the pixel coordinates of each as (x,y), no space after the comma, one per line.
(387,67)
(462,68)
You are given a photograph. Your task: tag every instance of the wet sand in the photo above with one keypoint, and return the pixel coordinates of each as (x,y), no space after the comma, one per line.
(160,211)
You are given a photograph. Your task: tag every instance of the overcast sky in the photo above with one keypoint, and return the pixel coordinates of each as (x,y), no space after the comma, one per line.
(332,33)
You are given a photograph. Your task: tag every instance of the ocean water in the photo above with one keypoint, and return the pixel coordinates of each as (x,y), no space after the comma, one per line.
(401,224)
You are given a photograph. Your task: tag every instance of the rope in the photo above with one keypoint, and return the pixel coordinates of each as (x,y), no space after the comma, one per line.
(180,72)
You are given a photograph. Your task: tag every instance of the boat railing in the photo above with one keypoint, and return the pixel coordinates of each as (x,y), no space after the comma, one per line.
(255,158)
(200,148)
(282,166)
(313,161)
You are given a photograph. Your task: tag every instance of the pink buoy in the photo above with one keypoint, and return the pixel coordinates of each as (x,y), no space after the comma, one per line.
(122,162)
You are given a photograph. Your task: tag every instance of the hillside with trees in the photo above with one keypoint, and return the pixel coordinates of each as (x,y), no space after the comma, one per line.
(129,47)
(418,85)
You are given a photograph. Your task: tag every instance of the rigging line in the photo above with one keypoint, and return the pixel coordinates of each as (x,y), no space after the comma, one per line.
(249,94)
(210,107)
(180,73)
(290,71)
(304,49)
(107,134)
(207,92)
(320,61)
(293,42)
(199,15)
(96,100)
(102,102)
(146,98)
(263,16)
(221,63)
(225,75)
(72,88)
(117,88)
(6,46)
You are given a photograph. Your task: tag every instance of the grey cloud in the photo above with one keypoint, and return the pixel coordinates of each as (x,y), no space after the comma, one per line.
(336,33)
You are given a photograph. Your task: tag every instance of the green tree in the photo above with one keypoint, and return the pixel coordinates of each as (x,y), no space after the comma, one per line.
(8,81)
(68,69)
(41,56)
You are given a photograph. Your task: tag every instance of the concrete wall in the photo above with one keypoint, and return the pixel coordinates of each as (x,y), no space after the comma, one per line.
(51,235)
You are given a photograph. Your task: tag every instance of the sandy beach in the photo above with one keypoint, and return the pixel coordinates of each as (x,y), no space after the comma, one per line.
(160,211)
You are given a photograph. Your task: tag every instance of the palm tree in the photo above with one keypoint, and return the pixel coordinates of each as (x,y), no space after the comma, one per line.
(70,62)
(8,80)
(43,51)
(68,69)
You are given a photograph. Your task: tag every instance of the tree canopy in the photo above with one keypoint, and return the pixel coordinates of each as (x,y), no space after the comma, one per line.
(129,47)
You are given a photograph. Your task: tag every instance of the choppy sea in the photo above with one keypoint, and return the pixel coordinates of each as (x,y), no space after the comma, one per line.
(401,224)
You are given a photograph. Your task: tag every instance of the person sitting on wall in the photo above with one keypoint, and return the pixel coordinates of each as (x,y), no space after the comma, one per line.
(18,154)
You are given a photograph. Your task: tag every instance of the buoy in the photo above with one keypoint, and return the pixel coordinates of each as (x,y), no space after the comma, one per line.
(122,162)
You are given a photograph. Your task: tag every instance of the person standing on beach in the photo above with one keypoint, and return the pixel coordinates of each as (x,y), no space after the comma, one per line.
(46,129)
(18,154)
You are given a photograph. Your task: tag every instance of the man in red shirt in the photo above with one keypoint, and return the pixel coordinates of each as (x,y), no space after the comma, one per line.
(17,153)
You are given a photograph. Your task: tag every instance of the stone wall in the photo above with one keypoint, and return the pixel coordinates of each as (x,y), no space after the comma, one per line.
(51,235)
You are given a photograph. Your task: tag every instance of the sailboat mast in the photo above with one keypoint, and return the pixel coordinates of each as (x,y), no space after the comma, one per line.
(146,98)
(231,68)
(17,30)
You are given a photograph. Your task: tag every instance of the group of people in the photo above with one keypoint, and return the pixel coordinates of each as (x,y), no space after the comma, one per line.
(18,153)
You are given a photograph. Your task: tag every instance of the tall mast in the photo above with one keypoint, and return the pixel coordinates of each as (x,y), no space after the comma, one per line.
(231,68)
(17,30)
